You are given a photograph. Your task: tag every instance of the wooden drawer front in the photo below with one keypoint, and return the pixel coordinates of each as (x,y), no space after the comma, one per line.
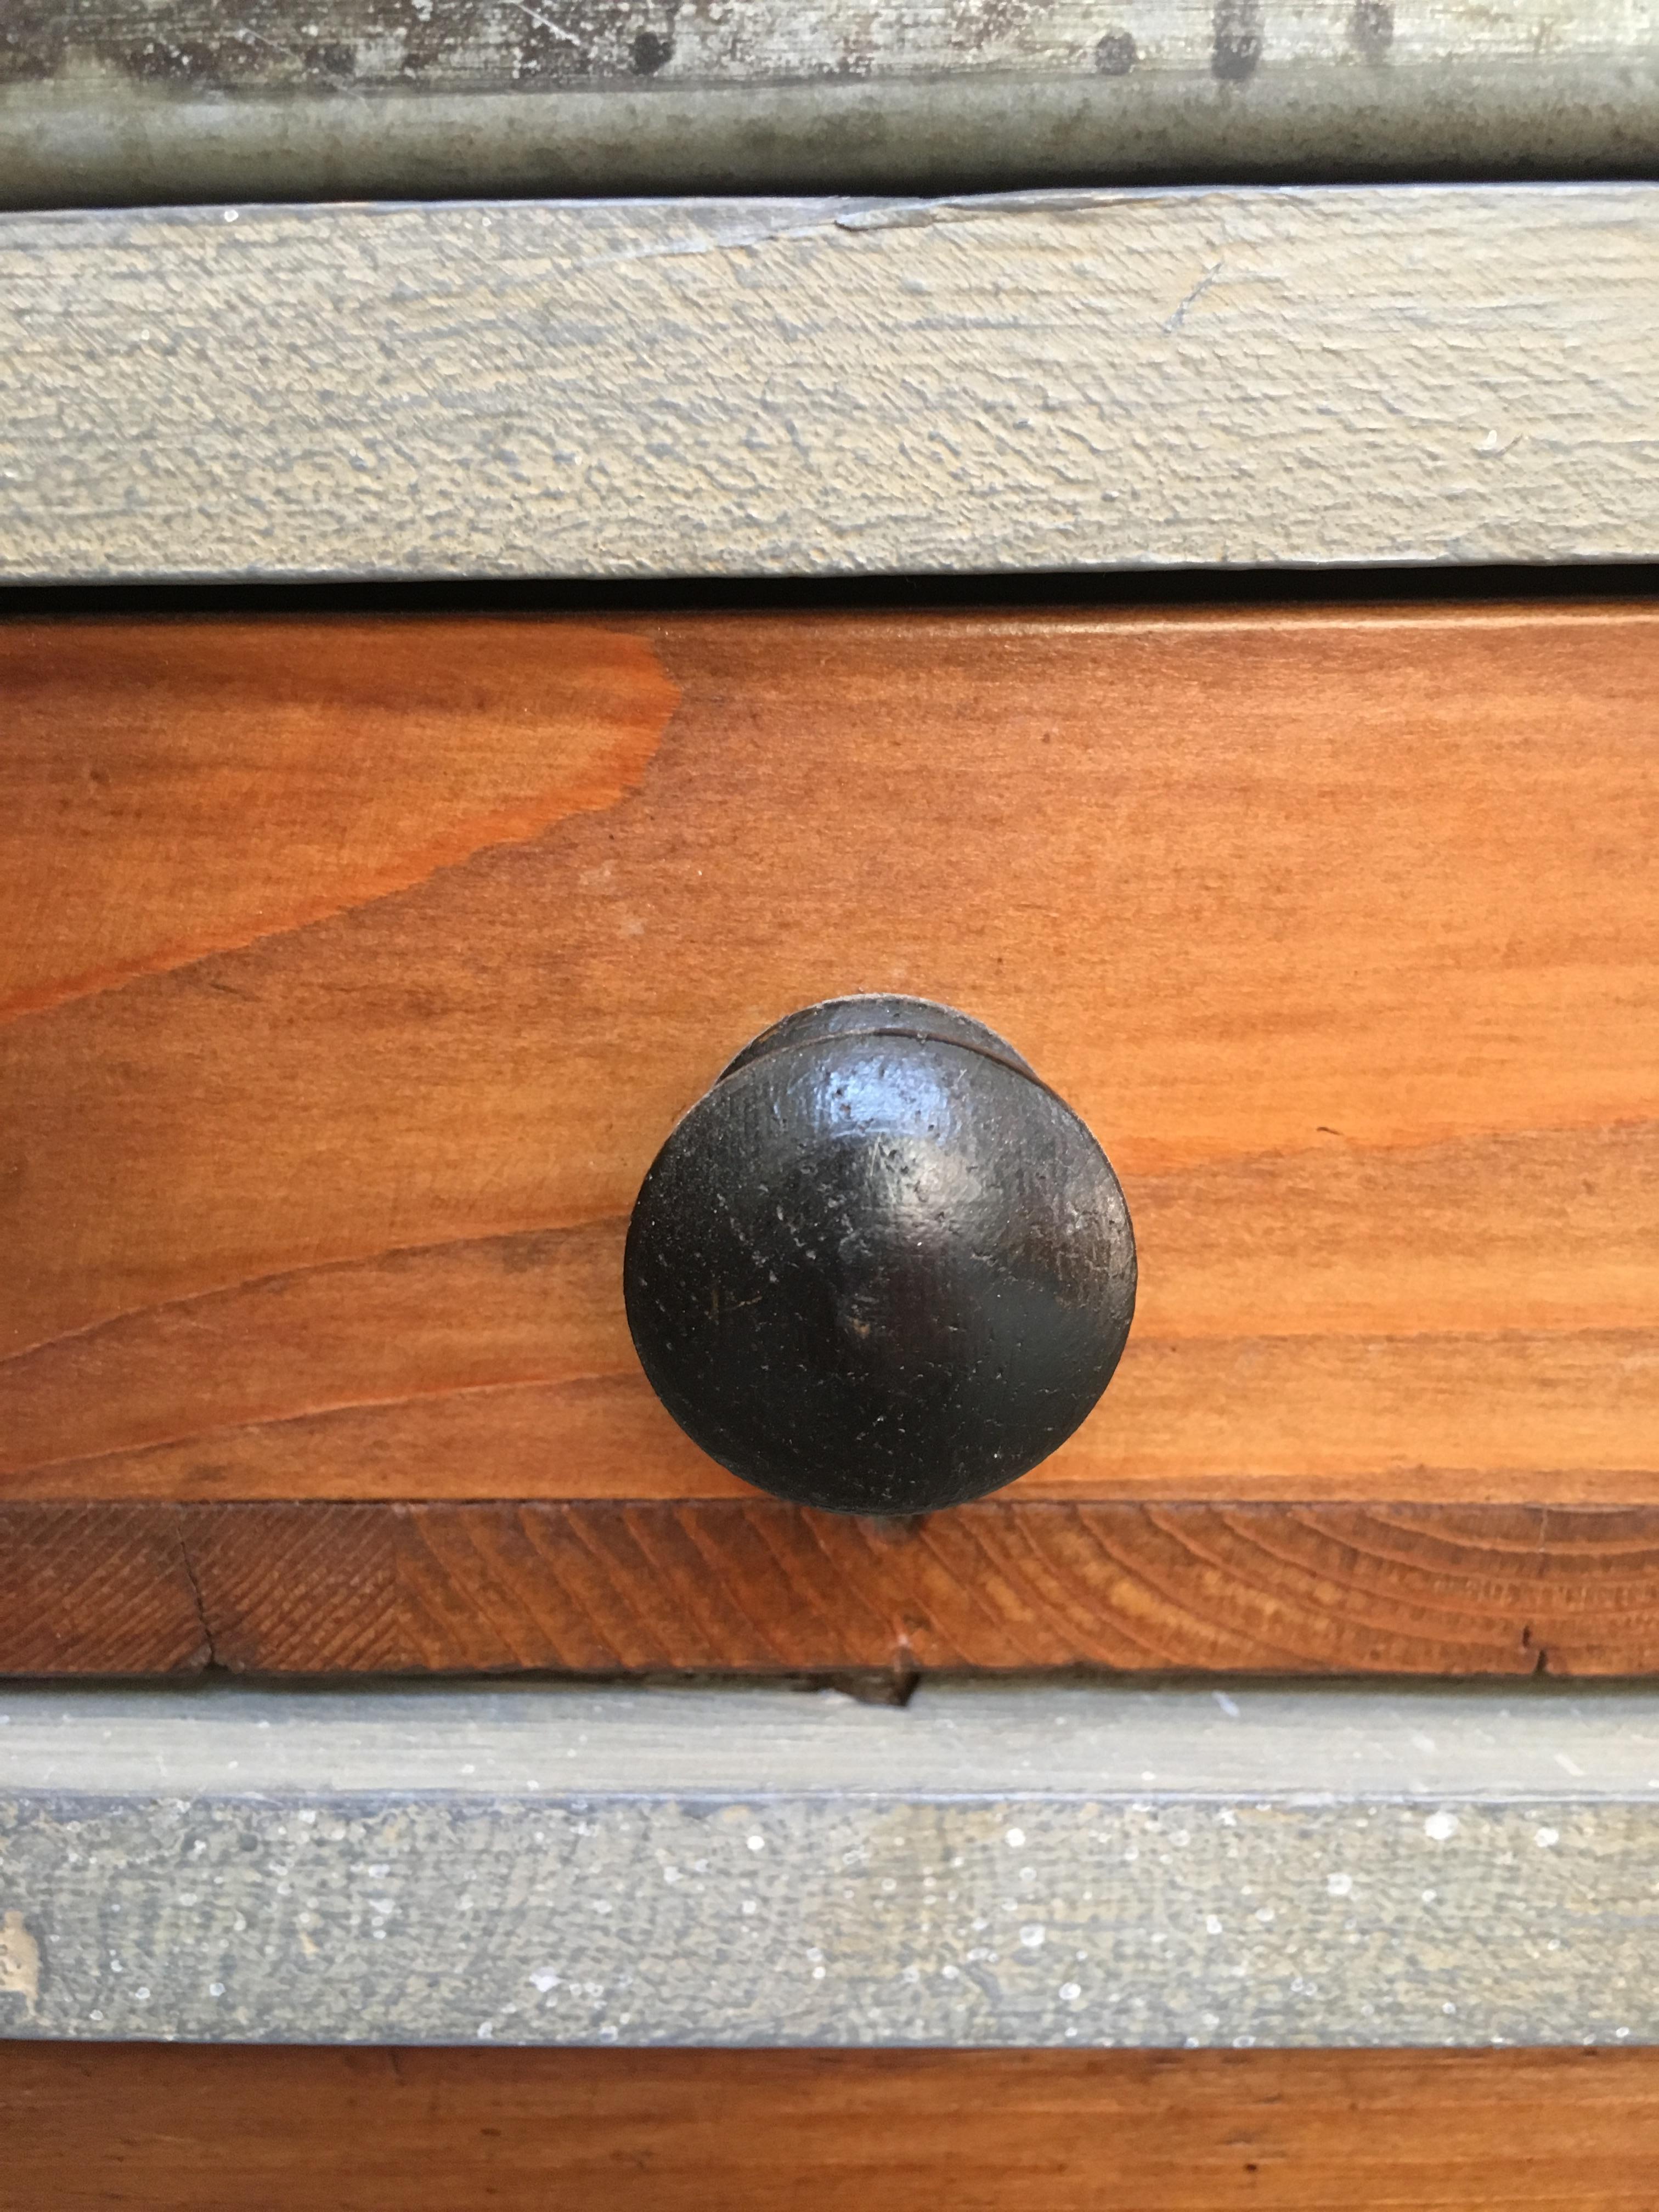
(353,970)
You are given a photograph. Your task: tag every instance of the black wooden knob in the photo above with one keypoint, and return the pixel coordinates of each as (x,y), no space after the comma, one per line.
(880,1267)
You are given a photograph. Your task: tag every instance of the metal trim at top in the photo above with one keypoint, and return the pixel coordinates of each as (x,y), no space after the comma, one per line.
(156,102)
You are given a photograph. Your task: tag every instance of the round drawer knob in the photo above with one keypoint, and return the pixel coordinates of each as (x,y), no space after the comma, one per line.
(879,1267)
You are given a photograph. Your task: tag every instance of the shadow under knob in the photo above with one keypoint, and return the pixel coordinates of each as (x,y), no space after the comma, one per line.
(879,1267)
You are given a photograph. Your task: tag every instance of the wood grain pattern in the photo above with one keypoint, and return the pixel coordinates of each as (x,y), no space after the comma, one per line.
(758,1588)
(221,794)
(1340,929)
(660,387)
(243,2129)
(97,1590)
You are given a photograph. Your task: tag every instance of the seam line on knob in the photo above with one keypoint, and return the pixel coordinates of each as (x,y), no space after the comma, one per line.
(910,1037)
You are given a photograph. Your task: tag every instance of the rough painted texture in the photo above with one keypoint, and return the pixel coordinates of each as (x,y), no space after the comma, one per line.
(1031,1866)
(1084,380)
(171,99)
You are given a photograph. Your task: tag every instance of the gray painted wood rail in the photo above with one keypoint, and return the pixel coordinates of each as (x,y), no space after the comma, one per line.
(1022,1863)
(106,102)
(629,389)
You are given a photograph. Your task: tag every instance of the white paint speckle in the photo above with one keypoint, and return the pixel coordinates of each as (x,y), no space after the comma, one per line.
(1213,1926)
(230,215)
(1070,1992)
(1441,1827)
(1015,1839)
(1033,1934)
(486,2029)
(756,1842)
(1547,1839)
(1339,1885)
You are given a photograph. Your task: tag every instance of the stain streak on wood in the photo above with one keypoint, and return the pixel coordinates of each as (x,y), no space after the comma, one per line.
(218,783)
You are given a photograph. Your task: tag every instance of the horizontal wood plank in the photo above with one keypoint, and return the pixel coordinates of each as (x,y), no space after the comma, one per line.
(108,101)
(356,969)
(741,1864)
(760,1587)
(1072,380)
(166,2130)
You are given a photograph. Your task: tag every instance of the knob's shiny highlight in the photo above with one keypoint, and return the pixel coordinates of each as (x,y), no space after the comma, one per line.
(879,1267)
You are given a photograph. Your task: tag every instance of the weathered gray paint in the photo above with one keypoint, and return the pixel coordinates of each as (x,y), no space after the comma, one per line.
(104,102)
(1020,1863)
(820,388)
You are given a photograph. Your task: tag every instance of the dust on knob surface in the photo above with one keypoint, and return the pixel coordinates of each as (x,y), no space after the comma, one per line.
(879,1267)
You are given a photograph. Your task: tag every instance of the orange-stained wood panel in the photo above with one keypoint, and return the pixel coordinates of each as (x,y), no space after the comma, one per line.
(225,2129)
(358,968)
(174,793)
